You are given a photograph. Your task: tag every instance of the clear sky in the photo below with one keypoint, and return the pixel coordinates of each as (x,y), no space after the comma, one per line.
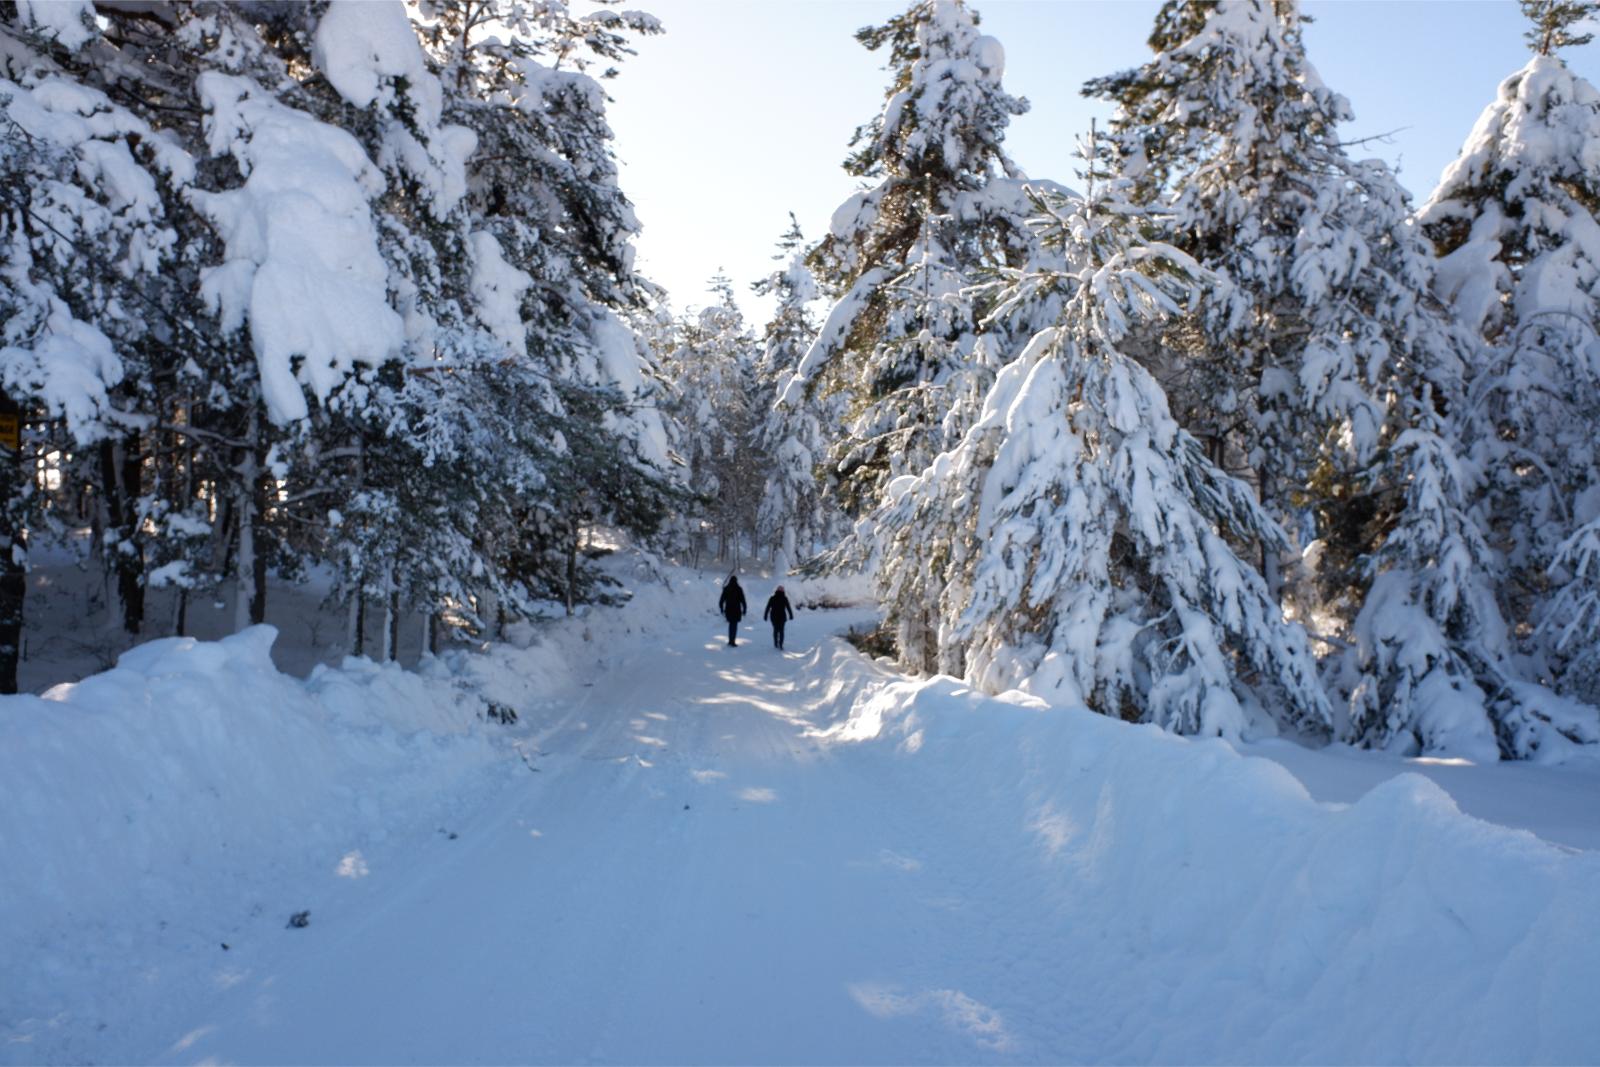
(743,110)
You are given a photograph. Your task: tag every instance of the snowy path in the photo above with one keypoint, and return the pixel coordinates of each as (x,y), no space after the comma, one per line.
(740,856)
(687,878)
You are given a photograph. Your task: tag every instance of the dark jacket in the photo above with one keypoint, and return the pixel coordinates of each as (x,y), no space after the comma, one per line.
(732,604)
(778,609)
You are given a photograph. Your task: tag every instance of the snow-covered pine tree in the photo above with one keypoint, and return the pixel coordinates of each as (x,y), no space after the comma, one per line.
(239,338)
(1085,534)
(795,518)
(1432,669)
(305,153)
(90,255)
(542,190)
(1230,126)
(1575,613)
(421,458)
(1516,221)
(325,324)
(1428,630)
(1346,407)
(900,255)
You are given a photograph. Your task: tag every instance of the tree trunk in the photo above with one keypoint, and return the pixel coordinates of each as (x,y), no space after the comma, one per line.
(183,473)
(386,645)
(358,622)
(130,556)
(244,564)
(572,571)
(258,596)
(391,635)
(1271,564)
(13,591)
(489,615)
(221,533)
(245,608)
(121,552)
(13,554)
(13,580)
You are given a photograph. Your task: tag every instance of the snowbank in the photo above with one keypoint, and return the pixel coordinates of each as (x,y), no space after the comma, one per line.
(1210,910)
(1075,889)
(186,799)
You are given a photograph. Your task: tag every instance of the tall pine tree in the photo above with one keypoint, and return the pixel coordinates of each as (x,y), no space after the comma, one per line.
(900,256)
(1516,220)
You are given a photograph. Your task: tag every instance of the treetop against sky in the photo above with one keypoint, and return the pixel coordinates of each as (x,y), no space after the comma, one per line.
(743,110)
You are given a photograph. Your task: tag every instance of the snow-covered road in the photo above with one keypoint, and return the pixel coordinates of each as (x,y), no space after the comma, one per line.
(688,877)
(740,856)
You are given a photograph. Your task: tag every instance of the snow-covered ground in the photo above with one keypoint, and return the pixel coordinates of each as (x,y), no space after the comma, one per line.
(683,852)
(71,633)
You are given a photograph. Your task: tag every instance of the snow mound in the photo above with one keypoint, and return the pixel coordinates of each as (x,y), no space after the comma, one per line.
(1223,914)
(165,807)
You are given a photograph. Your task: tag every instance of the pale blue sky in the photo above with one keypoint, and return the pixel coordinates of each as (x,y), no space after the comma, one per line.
(743,110)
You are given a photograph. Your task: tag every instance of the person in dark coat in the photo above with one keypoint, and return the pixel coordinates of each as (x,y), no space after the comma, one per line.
(733,608)
(779,611)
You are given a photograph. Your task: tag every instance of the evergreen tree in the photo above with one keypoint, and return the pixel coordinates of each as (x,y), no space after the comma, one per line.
(1084,533)
(794,518)
(1230,127)
(900,255)
(1515,222)
(1574,621)
(1428,629)
(542,191)
(89,245)
(308,315)
(1555,24)
(526,415)
(1326,371)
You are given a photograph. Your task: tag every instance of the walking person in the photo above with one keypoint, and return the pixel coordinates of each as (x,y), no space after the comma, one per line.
(779,611)
(733,607)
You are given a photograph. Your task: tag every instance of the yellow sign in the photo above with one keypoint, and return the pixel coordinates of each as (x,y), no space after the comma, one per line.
(11,432)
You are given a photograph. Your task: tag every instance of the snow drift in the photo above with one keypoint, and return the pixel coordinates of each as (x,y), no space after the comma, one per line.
(1200,906)
(1057,887)
(194,792)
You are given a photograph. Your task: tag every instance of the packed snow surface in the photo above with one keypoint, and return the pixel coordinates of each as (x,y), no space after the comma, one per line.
(685,852)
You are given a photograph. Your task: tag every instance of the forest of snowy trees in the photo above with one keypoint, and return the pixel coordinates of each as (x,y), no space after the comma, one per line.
(288,284)
(1227,436)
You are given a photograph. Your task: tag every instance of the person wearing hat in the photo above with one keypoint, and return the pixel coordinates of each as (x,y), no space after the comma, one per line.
(779,611)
